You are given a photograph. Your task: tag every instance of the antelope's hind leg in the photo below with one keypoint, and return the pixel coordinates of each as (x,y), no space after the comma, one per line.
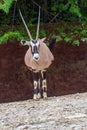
(44,84)
(37,94)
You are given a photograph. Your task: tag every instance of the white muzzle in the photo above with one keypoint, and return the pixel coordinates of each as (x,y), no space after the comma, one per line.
(36,56)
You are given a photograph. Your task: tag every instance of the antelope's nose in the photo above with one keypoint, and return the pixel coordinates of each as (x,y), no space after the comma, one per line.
(36,56)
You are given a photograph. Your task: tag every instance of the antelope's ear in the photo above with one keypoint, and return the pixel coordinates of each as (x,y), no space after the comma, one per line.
(24,43)
(43,39)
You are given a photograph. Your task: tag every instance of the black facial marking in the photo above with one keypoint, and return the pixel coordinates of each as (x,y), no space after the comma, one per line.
(34,41)
(35,47)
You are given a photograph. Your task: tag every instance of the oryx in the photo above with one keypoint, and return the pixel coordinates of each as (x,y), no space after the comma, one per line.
(37,58)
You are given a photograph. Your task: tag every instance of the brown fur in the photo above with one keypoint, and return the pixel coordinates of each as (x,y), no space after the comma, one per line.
(46,58)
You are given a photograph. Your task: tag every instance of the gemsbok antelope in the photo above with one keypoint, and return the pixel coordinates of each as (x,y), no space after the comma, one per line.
(38,58)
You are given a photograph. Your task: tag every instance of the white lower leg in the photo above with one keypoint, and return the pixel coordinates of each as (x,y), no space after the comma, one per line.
(35,90)
(39,90)
(44,87)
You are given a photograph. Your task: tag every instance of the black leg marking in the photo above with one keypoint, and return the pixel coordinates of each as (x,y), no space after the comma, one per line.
(36,86)
(44,89)
(36,76)
(44,84)
(35,91)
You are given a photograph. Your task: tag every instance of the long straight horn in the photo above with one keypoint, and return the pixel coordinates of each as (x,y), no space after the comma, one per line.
(25,25)
(38,25)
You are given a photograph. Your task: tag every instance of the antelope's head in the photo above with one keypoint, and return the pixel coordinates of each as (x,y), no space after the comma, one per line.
(34,44)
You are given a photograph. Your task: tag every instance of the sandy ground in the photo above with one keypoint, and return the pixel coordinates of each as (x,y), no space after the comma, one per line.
(55,113)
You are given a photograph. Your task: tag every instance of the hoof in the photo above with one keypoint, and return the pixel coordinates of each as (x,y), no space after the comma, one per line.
(35,97)
(39,96)
(45,95)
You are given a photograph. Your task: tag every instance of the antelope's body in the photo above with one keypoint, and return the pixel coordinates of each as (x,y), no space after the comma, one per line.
(38,62)
(38,58)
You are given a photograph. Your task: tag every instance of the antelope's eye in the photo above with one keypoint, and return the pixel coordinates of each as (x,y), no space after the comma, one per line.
(32,41)
(37,43)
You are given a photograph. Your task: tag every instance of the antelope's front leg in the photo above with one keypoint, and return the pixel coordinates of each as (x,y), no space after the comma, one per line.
(37,94)
(44,84)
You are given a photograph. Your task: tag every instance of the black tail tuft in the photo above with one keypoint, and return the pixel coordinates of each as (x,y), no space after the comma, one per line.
(52,43)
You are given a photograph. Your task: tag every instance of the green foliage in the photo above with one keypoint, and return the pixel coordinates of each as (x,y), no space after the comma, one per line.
(84,33)
(54,8)
(20,34)
(84,39)
(59,39)
(69,10)
(67,39)
(77,28)
(5,5)
(61,30)
(10,35)
(31,21)
(75,10)
(42,33)
(63,34)
(76,43)
(63,7)
(72,34)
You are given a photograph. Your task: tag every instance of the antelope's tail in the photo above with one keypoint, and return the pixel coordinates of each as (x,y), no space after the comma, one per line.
(52,43)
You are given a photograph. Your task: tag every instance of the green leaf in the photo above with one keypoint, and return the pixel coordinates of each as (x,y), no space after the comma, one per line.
(63,34)
(75,10)
(42,33)
(77,28)
(5,5)
(67,39)
(83,33)
(84,39)
(10,35)
(63,7)
(54,8)
(59,39)
(76,43)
